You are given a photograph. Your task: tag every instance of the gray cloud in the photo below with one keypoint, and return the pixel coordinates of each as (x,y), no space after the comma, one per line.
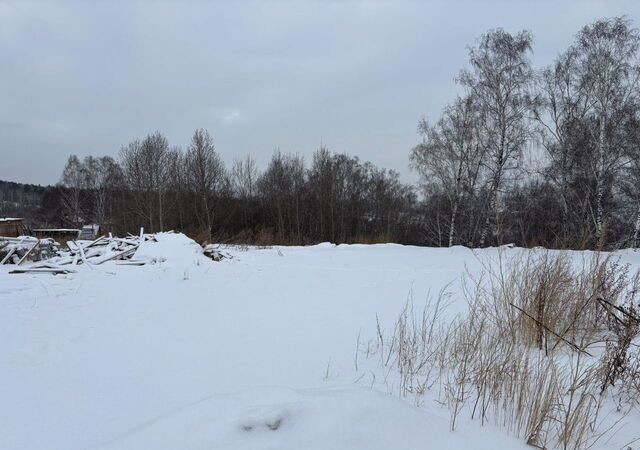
(86,77)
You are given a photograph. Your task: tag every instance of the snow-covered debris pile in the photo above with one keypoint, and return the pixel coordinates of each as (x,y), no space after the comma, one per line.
(213,251)
(26,248)
(124,251)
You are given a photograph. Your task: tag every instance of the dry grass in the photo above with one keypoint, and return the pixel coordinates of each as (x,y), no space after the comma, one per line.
(523,356)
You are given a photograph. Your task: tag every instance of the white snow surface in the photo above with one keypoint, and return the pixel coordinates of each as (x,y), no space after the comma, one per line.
(254,352)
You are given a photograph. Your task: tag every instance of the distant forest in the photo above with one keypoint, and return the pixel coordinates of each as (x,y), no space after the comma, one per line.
(532,156)
(22,200)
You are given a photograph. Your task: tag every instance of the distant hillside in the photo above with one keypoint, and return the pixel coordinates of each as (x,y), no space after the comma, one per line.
(22,200)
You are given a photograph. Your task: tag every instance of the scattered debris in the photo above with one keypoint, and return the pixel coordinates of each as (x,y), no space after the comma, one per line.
(47,256)
(214,252)
(18,250)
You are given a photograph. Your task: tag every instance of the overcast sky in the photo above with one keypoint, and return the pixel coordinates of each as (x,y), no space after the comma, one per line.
(86,77)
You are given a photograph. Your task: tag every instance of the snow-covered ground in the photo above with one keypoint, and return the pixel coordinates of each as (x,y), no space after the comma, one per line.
(254,352)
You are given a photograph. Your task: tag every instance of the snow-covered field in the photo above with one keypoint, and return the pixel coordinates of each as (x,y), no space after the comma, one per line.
(254,352)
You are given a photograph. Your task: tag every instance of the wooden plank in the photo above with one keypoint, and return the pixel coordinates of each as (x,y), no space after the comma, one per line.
(9,255)
(126,241)
(96,251)
(122,254)
(91,244)
(62,260)
(43,270)
(131,262)
(82,255)
(24,258)
(44,265)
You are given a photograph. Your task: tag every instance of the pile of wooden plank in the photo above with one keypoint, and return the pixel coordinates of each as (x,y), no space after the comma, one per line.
(90,253)
(22,249)
(98,251)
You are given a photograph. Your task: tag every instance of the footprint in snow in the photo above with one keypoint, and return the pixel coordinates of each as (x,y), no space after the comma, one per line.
(271,421)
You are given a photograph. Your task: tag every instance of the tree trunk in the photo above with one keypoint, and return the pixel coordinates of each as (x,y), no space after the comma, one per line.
(600,183)
(208,216)
(497,178)
(493,209)
(160,218)
(454,213)
(565,214)
(636,231)
(150,208)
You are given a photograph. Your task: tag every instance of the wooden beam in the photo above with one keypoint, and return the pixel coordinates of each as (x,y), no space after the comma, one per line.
(6,258)
(24,258)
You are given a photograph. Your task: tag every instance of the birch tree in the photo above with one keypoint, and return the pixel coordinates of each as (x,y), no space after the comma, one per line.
(73,184)
(631,181)
(450,155)
(500,81)
(560,115)
(103,175)
(606,53)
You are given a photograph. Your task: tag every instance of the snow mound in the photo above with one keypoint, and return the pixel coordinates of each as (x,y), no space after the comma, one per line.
(176,249)
(320,419)
(324,245)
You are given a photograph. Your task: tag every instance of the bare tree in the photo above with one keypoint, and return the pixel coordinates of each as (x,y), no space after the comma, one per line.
(500,82)
(178,187)
(629,180)
(281,186)
(155,149)
(102,177)
(561,114)
(606,53)
(244,176)
(205,172)
(145,168)
(388,197)
(322,181)
(73,184)
(450,155)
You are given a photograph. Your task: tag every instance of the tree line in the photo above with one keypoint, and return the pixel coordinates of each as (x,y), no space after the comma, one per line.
(532,156)
(336,198)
